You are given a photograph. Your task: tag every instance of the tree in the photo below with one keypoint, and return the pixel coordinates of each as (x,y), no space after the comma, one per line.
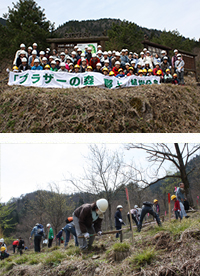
(6,220)
(125,35)
(104,175)
(26,23)
(159,153)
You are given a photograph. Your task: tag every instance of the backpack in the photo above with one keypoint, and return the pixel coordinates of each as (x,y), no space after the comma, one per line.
(21,244)
(40,229)
(147,203)
(69,219)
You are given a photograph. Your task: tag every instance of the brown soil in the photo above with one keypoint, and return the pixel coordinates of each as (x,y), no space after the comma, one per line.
(144,109)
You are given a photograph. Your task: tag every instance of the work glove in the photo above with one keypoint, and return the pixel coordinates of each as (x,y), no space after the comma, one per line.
(99,233)
(86,235)
(120,220)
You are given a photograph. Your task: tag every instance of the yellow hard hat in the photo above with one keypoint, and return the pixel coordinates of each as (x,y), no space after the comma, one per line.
(111,73)
(89,67)
(77,66)
(155,200)
(144,70)
(140,71)
(15,68)
(131,68)
(167,70)
(105,69)
(173,197)
(47,66)
(120,69)
(150,71)
(3,248)
(159,72)
(175,75)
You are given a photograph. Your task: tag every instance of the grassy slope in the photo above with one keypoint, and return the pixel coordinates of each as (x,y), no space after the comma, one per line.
(164,108)
(172,249)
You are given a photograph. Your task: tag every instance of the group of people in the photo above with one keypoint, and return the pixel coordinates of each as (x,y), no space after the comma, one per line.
(112,63)
(86,221)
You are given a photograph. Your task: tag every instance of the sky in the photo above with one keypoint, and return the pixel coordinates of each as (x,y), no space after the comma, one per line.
(182,15)
(28,167)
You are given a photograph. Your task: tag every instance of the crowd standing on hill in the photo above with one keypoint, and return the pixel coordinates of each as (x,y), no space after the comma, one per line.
(112,63)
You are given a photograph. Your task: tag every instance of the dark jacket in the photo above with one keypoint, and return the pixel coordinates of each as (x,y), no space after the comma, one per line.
(118,215)
(84,213)
(4,255)
(88,56)
(21,244)
(59,235)
(21,67)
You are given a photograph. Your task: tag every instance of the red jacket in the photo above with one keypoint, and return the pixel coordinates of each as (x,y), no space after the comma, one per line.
(177,206)
(15,242)
(155,71)
(93,62)
(115,70)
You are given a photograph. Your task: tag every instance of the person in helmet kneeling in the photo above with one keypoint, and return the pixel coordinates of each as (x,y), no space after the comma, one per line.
(87,220)
(118,219)
(4,254)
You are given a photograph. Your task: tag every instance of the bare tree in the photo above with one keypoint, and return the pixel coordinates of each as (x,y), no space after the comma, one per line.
(157,154)
(105,173)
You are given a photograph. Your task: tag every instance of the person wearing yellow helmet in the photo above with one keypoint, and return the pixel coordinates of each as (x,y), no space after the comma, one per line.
(89,69)
(140,73)
(144,72)
(175,79)
(156,206)
(76,68)
(150,72)
(111,74)
(4,254)
(177,208)
(120,73)
(167,76)
(105,71)
(15,69)
(131,71)
(47,67)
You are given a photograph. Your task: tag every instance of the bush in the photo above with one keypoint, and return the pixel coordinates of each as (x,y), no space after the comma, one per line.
(143,257)
(121,247)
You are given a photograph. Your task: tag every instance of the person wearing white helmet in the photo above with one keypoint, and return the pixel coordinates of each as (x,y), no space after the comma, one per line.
(17,54)
(87,220)
(62,67)
(62,57)
(116,67)
(19,59)
(148,58)
(37,65)
(156,59)
(50,235)
(164,54)
(41,55)
(174,59)
(24,66)
(124,59)
(118,219)
(78,55)
(100,55)
(32,58)
(2,243)
(98,68)
(141,60)
(79,62)
(179,65)
(73,57)
(93,61)
(83,65)
(35,47)
(30,49)
(134,214)
(44,62)
(89,54)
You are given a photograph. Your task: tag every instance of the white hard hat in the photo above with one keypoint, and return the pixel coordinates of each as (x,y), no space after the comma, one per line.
(165,58)
(24,59)
(42,53)
(23,52)
(82,55)
(86,46)
(163,52)
(44,58)
(34,44)
(119,207)
(62,54)
(79,50)
(136,206)
(22,45)
(123,50)
(83,59)
(51,57)
(89,48)
(62,64)
(117,62)
(99,46)
(117,54)
(98,64)
(34,52)
(68,57)
(1,240)
(105,53)
(133,61)
(76,47)
(113,51)
(148,52)
(106,61)
(109,52)
(48,49)
(36,60)
(53,62)
(127,64)
(145,49)
(102,204)
(130,53)
(157,63)
(179,55)
(146,62)
(99,52)
(73,53)
(142,53)
(57,59)
(30,48)
(126,50)
(175,51)
(94,55)
(71,64)
(48,225)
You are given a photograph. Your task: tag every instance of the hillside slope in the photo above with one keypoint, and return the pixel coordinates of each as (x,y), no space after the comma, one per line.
(172,250)
(156,108)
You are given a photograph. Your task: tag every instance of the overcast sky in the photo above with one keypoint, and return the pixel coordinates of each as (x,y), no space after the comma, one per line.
(182,15)
(28,167)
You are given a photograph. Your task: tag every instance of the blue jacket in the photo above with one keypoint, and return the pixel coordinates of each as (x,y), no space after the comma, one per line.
(39,67)
(180,195)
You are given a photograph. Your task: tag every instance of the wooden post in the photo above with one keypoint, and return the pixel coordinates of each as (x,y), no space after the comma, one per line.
(121,236)
(130,215)
(169,203)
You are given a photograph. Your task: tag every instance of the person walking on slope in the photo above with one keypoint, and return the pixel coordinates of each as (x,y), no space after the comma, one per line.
(38,232)
(87,220)
(156,206)
(147,208)
(118,219)
(15,244)
(70,229)
(177,208)
(180,196)
(50,235)
(134,214)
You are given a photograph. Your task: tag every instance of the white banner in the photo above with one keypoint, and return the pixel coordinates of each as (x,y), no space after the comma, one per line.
(44,78)
(92,45)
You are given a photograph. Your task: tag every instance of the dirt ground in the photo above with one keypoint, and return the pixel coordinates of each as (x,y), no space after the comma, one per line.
(146,109)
